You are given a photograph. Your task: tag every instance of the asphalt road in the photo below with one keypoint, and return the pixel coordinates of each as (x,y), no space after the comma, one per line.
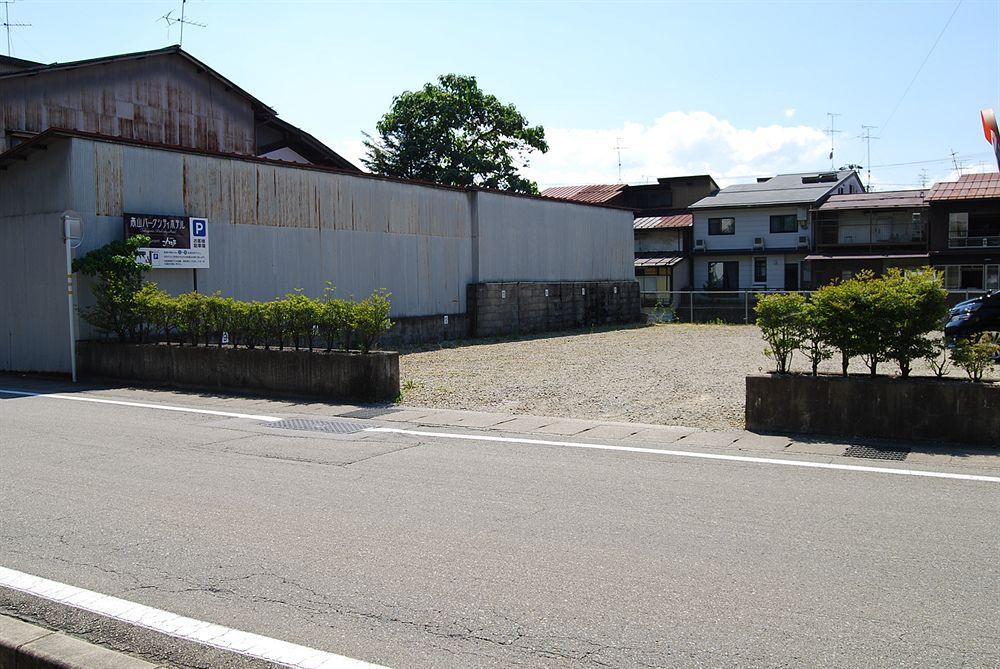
(428,552)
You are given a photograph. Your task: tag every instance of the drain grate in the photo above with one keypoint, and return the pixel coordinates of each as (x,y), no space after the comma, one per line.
(310,425)
(370,413)
(871,453)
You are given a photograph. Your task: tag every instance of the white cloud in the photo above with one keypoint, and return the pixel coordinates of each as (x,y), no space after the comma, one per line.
(677,143)
(790,112)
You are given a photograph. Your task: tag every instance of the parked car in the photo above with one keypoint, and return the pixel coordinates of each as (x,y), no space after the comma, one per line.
(972,318)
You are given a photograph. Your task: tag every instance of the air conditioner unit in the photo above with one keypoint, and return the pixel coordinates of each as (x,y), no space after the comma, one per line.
(758,243)
(803,242)
(699,245)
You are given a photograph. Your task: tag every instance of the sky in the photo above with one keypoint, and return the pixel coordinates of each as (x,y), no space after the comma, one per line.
(733,89)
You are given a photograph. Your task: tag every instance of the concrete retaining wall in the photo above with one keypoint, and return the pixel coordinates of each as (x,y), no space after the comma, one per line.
(520,308)
(336,376)
(858,406)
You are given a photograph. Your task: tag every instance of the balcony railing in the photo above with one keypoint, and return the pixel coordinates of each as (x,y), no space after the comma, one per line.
(974,242)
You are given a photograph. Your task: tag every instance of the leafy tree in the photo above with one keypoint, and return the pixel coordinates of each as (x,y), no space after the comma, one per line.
(118,269)
(454,133)
(781,318)
(976,358)
(336,319)
(917,306)
(834,312)
(938,358)
(814,344)
(371,319)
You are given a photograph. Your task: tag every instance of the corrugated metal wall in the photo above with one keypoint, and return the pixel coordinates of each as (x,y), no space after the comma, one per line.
(33,315)
(161,99)
(275,228)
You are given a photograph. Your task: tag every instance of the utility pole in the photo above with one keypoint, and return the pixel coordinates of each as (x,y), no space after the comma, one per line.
(8,25)
(619,148)
(832,131)
(923,178)
(867,136)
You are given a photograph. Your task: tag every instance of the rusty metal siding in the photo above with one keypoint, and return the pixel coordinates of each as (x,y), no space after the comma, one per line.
(162,99)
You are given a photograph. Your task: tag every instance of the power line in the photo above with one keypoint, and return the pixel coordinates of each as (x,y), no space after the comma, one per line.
(885,123)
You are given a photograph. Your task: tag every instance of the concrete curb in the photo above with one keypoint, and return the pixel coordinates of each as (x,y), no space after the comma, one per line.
(27,646)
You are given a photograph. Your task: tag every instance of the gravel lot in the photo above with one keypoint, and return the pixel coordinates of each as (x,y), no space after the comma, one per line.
(673,374)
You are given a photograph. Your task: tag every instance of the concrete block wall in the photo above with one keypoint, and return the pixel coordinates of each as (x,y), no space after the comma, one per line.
(527,307)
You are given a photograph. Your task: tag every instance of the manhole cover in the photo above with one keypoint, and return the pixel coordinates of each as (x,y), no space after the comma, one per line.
(370,413)
(310,425)
(877,453)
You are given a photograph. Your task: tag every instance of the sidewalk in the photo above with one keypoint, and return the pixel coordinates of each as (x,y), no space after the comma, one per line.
(548,427)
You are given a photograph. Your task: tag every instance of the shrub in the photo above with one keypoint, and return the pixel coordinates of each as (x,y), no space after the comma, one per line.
(814,344)
(834,313)
(937,359)
(371,319)
(336,319)
(118,269)
(157,312)
(976,358)
(276,323)
(916,306)
(782,321)
(191,318)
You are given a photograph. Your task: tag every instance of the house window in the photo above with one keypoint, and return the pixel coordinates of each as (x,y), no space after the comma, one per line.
(760,270)
(724,275)
(722,226)
(784,223)
(653,279)
(958,229)
(852,187)
(992,277)
(970,277)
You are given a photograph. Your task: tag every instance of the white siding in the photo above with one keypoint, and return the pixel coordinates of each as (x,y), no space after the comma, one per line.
(751,223)
(775,269)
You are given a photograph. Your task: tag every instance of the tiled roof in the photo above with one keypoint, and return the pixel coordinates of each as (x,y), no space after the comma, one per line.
(596,193)
(786,189)
(968,187)
(684,220)
(890,199)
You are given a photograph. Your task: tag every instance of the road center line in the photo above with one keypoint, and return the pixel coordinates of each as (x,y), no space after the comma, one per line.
(690,454)
(171,624)
(141,405)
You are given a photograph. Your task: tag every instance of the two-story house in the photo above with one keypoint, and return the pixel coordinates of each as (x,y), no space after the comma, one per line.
(965,231)
(868,231)
(756,236)
(663,225)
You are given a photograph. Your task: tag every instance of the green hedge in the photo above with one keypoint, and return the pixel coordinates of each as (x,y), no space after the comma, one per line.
(294,321)
(892,317)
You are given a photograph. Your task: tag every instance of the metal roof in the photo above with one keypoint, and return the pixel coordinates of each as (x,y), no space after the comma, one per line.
(968,187)
(870,256)
(890,199)
(595,193)
(661,261)
(680,220)
(803,188)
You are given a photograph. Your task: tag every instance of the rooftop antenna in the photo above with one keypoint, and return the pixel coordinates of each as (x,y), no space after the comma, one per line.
(182,21)
(923,178)
(619,148)
(8,25)
(956,162)
(833,116)
(867,136)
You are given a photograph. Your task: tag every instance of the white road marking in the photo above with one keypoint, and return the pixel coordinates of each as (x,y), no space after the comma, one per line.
(690,454)
(141,405)
(171,624)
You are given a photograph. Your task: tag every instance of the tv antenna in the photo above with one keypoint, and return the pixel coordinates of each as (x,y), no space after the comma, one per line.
(866,135)
(619,148)
(182,21)
(923,178)
(959,166)
(8,25)
(832,131)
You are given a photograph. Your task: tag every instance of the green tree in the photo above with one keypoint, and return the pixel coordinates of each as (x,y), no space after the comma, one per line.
(781,318)
(371,319)
(916,302)
(814,344)
(454,133)
(118,270)
(976,357)
(836,312)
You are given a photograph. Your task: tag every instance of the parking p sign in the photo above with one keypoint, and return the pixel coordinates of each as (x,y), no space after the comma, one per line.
(176,242)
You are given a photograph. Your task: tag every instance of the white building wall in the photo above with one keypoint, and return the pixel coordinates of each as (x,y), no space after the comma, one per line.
(751,222)
(775,270)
